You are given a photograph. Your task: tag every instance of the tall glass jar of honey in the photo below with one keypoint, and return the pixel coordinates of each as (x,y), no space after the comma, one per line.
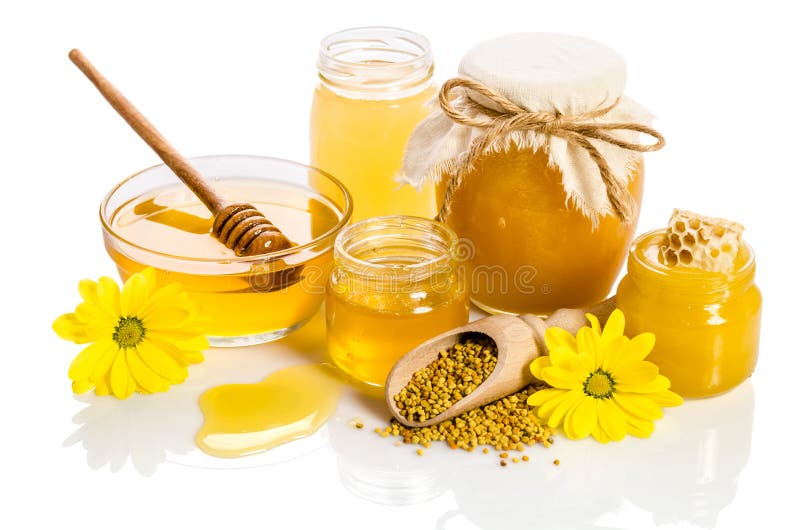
(375,86)
(537,157)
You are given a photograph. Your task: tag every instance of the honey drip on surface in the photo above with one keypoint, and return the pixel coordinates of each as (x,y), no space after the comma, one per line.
(243,419)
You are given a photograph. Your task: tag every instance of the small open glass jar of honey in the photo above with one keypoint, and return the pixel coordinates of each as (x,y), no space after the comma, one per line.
(152,220)
(706,323)
(396,283)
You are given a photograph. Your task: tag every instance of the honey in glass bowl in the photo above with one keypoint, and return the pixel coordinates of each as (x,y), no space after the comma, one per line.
(152,220)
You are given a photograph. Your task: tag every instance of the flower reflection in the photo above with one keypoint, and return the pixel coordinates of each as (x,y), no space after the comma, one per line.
(143,428)
(148,430)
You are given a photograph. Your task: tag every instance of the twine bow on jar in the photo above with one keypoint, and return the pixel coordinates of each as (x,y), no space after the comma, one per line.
(576,130)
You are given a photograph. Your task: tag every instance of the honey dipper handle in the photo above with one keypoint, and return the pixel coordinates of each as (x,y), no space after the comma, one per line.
(142,126)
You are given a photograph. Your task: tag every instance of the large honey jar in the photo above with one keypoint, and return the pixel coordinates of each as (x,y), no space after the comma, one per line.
(538,163)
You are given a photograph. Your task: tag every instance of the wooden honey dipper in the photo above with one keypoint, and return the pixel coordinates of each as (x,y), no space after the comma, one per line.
(239,226)
(519,340)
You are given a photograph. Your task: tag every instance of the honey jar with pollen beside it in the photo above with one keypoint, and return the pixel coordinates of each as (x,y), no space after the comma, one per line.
(537,156)
(396,283)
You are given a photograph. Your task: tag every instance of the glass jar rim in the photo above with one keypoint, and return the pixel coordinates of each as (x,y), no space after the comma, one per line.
(346,213)
(426,228)
(409,67)
(695,280)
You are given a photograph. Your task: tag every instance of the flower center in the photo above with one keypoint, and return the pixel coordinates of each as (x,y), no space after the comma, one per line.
(599,385)
(128,332)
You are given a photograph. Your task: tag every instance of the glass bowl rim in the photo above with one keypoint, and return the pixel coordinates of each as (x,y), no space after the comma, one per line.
(398,221)
(332,232)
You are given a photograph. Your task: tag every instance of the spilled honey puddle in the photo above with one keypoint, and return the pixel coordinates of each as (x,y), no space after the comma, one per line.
(243,419)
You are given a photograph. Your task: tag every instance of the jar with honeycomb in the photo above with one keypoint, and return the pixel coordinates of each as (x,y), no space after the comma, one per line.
(537,158)
(692,285)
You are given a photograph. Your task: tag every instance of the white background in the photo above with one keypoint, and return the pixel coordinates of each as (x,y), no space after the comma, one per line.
(237,77)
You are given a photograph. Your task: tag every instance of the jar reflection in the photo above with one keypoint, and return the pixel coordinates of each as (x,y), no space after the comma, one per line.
(687,471)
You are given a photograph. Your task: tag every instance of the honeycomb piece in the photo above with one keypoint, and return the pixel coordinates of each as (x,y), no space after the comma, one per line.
(706,243)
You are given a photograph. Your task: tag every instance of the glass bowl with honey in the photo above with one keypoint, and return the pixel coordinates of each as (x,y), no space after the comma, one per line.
(152,220)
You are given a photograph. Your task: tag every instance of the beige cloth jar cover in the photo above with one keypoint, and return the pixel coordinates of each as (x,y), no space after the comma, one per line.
(559,76)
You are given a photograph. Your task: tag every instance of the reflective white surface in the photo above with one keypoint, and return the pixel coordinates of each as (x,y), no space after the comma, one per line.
(687,472)
(237,77)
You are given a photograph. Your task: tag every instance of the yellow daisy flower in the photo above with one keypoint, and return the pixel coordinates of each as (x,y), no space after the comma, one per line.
(601,383)
(142,338)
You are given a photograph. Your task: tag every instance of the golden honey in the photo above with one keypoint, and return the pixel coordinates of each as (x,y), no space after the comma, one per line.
(532,252)
(374,89)
(706,324)
(396,283)
(169,229)
(244,419)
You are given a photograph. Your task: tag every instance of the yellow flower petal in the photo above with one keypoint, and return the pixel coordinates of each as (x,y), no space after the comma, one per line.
(82,366)
(638,405)
(161,362)
(108,296)
(594,323)
(613,353)
(666,398)
(134,295)
(102,387)
(581,420)
(600,435)
(639,373)
(556,337)
(122,384)
(81,387)
(639,427)
(611,419)
(545,395)
(101,370)
(615,326)
(145,377)
(88,291)
(658,384)
(561,408)
(68,327)
(638,348)
(589,343)
(562,357)
(167,295)
(538,365)
(92,314)
(583,365)
(561,378)
(184,342)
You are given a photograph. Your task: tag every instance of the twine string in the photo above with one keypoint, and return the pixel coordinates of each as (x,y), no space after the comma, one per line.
(576,130)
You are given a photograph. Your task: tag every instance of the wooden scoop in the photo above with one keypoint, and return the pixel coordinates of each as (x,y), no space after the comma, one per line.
(239,226)
(519,340)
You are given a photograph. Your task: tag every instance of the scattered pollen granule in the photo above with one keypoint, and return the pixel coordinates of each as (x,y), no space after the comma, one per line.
(506,424)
